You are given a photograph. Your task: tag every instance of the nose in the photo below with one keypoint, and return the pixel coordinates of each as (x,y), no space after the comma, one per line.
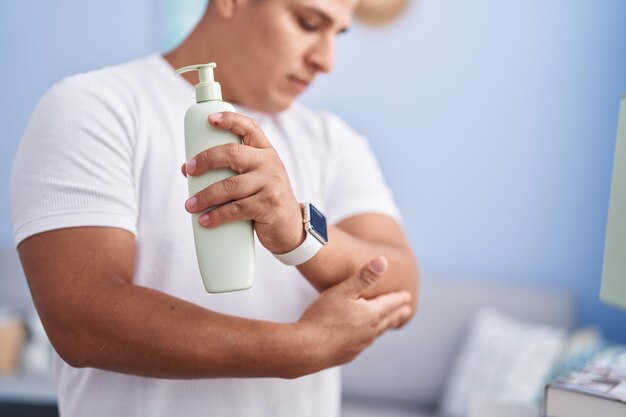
(322,54)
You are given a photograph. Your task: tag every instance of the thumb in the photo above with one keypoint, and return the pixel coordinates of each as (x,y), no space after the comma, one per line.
(365,277)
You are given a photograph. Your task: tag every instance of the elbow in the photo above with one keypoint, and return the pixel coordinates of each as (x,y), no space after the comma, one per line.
(69,345)
(72,360)
(66,347)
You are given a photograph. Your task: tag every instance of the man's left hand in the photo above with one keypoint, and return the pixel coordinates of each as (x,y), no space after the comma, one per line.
(261,190)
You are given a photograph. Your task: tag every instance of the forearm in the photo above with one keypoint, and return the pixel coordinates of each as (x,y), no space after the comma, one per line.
(345,254)
(135,330)
(81,280)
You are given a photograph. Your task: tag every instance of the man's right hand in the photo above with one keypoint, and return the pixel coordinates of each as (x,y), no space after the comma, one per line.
(338,325)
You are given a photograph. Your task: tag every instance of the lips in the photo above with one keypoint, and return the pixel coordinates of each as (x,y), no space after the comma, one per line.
(299,83)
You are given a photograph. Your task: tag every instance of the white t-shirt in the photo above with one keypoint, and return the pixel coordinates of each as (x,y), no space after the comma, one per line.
(105,149)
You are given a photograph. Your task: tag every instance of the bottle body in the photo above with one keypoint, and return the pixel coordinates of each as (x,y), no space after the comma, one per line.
(225,253)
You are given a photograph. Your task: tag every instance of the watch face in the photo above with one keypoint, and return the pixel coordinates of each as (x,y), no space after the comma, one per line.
(318,223)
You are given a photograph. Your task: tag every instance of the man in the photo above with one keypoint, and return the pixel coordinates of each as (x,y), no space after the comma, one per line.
(107,246)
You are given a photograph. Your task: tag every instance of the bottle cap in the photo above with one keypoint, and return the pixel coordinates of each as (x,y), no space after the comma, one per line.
(207,88)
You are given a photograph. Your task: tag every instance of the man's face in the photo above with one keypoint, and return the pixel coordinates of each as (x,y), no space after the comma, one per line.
(278,47)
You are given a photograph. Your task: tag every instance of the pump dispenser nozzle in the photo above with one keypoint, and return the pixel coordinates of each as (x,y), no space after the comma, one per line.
(207,88)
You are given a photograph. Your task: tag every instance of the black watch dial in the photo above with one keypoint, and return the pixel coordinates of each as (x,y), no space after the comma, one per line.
(318,223)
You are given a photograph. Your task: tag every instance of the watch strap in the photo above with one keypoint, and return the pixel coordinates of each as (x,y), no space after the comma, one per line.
(307,250)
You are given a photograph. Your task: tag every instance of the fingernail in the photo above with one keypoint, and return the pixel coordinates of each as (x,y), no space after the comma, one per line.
(191,165)
(216,117)
(406,311)
(204,219)
(191,203)
(377,265)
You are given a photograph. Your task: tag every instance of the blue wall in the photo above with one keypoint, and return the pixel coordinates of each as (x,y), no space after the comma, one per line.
(494,121)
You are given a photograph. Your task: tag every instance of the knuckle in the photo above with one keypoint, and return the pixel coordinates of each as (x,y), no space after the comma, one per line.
(274,197)
(205,195)
(203,157)
(233,150)
(367,277)
(230,184)
(239,131)
(237,207)
(203,160)
(275,159)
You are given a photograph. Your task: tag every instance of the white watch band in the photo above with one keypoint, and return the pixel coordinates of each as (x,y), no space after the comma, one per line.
(302,253)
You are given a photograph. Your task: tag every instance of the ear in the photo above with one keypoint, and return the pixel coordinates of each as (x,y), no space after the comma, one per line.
(226,8)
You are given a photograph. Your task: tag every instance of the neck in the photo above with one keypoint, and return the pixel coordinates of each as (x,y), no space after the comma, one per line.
(199,48)
(193,50)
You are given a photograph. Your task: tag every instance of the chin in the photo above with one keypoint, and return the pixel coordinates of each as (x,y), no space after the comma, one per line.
(283,106)
(275,105)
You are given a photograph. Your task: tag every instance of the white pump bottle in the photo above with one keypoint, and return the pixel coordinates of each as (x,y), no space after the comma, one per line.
(225,253)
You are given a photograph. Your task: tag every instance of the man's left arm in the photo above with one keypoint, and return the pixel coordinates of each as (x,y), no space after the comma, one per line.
(356,240)
(262,192)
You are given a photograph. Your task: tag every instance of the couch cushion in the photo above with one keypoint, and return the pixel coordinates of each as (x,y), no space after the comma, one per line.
(502,359)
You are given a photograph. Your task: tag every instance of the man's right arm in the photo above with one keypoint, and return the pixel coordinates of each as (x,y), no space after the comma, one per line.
(81,280)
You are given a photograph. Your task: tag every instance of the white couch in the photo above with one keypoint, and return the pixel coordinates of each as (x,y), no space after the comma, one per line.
(402,374)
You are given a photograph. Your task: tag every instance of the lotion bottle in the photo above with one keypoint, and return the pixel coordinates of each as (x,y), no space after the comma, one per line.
(225,253)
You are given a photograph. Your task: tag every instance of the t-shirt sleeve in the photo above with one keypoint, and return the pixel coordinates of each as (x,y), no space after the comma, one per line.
(356,184)
(74,164)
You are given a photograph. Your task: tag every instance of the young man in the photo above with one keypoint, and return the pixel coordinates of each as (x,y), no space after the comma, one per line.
(100,222)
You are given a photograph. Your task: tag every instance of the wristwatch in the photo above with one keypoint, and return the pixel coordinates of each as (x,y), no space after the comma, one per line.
(316,237)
